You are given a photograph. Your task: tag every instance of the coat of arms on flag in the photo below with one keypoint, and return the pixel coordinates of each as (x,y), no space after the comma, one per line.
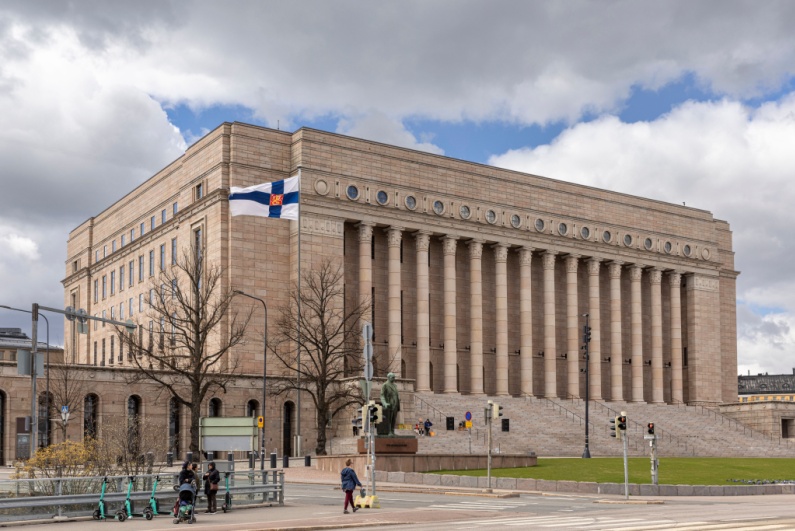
(278,199)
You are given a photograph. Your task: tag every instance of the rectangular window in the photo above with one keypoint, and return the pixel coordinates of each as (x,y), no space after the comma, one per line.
(112,344)
(96,290)
(96,256)
(131,265)
(113,282)
(95,352)
(163,257)
(121,349)
(104,286)
(141,302)
(132,235)
(152,295)
(112,313)
(96,323)
(173,251)
(104,316)
(151,263)
(199,191)
(143,226)
(162,333)
(141,268)
(121,311)
(104,251)
(131,307)
(123,241)
(113,246)
(151,335)
(152,223)
(74,266)
(121,278)
(174,208)
(163,216)
(102,363)
(173,288)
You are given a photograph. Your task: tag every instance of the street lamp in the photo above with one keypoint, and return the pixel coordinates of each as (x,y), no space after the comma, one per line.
(264,372)
(35,405)
(587,340)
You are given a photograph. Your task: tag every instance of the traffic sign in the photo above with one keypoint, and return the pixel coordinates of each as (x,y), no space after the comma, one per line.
(469,424)
(367,331)
(64,409)
(70,313)
(368,351)
(468,415)
(368,370)
(82,315)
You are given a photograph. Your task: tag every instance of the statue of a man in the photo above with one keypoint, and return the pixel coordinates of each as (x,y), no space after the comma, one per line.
(390,401)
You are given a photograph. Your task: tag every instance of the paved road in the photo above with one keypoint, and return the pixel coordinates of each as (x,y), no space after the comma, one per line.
(319,506)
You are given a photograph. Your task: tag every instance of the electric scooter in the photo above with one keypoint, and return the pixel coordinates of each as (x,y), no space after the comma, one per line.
(99,512)
(128,510)
(151,510)
(227,506)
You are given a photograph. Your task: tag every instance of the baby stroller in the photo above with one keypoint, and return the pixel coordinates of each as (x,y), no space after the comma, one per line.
(186,502)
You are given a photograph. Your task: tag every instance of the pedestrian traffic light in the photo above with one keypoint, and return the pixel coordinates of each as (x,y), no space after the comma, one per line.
(496,410)
(650,427)
(376,414)
(622,422)
(615,427)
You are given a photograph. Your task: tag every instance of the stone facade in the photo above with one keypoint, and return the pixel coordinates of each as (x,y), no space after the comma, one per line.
(478,277)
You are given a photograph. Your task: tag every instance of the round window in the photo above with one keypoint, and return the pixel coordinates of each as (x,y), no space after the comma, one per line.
(563,229)
(606,236)
(352,192)
(516,221)
(540,225)
(382,197)
(627,239)
(465,212)
(585,232)
(668,247)
(705,253)
(491,216)
(411,202)
(647,243)
(438,207)
(687,250)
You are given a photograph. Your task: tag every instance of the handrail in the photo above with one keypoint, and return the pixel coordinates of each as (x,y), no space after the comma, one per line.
(442,416)
(604,429)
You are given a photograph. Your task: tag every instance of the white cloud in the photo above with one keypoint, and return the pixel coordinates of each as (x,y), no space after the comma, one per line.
(20,246)
(379,127)
(731,160)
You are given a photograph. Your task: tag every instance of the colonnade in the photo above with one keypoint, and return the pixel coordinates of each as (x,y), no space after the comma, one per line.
(549,259)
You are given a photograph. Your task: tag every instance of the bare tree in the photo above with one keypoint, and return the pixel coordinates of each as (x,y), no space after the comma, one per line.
(68,388)
(184,341)
(134,445)
(328,342)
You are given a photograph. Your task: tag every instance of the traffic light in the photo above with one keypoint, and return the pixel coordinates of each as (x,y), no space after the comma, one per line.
(650,427)
(586,334)
(496,410)
(615,427)
(376,414)
(622,422)
(260,421)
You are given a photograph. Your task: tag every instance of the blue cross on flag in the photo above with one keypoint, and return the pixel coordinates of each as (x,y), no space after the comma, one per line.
(278,199)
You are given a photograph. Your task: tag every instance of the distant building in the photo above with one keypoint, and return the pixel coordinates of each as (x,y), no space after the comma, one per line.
(767,387)
(12,339)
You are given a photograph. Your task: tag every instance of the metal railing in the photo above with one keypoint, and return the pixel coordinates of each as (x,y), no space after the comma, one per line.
(30,499)
(441,418)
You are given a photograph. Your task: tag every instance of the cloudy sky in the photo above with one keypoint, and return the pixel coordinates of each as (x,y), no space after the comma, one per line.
(679,101)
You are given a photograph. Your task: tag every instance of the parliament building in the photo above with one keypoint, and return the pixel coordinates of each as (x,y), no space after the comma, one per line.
(480,280)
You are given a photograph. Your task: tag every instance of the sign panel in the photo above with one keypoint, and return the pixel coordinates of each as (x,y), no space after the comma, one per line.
(367,331)
(64,409)
(469,424)
(468,415)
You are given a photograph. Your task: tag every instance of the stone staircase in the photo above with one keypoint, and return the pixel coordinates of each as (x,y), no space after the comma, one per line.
(557,428)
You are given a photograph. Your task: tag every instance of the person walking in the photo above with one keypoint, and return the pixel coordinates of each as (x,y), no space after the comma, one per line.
(349,483)
(211,480)
(427,426)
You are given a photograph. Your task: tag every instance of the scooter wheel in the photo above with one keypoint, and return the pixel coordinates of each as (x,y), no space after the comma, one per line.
(148,515)
(95,514)
(121,516)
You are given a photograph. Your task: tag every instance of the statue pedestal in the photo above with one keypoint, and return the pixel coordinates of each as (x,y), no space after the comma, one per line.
(391,445)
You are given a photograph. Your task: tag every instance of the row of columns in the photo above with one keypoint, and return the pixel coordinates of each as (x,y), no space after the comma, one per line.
(572,354)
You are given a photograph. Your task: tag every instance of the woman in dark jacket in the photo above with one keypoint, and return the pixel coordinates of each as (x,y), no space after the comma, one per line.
(349,483)
(211,480)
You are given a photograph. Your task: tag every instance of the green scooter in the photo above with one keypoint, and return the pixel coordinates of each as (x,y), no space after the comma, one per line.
(151,510)
(99,512)
(227,506)
(128,510)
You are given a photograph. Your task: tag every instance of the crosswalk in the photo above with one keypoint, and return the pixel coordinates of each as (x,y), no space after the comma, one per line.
(479,505)
(622,524)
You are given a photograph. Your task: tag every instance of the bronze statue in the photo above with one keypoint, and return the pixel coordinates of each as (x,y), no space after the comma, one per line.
(390,401)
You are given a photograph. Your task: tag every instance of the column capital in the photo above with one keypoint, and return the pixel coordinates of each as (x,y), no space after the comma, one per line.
(475,248)
(500,252)
(548,259)
(365,230)
(423,238)
(635,271)
(394,235)
(655,275)
(614,268)
(593,266)
(675,278)
(449,244)
(572,260)
(525,255)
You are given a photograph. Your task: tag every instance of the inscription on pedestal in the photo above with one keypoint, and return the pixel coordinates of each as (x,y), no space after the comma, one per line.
(391,445)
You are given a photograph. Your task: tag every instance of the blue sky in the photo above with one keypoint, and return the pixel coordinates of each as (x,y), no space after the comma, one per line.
(677,101)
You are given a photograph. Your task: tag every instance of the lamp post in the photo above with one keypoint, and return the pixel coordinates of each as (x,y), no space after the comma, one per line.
(34,407)
(586,336)
(264,372)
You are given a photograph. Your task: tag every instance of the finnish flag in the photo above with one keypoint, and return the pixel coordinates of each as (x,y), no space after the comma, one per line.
(278,199)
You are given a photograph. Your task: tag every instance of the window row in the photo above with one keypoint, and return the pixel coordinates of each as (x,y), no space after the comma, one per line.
(127,271)
(142,231)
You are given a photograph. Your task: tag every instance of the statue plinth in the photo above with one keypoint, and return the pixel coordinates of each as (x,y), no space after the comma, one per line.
(397,444)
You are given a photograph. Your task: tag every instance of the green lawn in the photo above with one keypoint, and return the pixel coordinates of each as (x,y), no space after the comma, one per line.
(672,471)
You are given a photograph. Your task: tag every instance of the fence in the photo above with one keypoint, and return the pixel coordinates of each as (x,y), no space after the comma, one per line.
(32,499)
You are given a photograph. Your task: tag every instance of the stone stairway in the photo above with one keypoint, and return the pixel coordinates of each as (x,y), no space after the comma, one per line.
(557,428)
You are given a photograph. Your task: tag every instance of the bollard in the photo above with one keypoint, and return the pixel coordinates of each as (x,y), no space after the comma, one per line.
(286,461)
(273,460)
(307,460)
(251,460)
(169,459)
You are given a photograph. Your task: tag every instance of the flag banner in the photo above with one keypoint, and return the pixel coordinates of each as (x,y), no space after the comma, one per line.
(278,199)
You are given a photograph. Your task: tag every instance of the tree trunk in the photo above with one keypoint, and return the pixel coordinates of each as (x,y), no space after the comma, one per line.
(320,448)
(195,418)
